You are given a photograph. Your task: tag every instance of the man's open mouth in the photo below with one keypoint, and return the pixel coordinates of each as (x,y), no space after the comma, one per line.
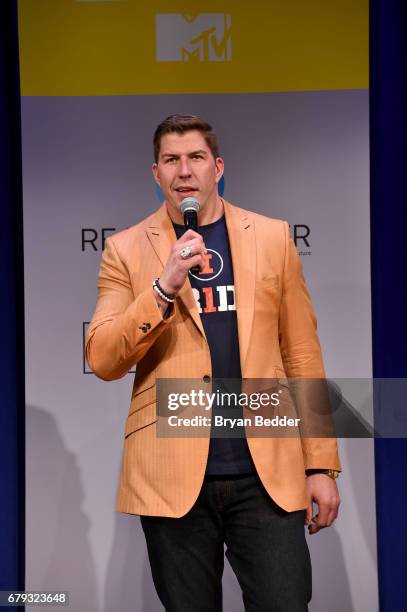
(186,190)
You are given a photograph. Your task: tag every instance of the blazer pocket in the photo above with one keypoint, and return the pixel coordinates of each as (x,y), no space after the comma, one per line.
(140,418)
(142,397)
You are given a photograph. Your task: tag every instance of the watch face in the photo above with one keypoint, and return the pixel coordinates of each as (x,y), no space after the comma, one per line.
(333,474)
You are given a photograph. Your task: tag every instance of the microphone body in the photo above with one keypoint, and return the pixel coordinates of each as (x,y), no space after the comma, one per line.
(191,219)
(189,208)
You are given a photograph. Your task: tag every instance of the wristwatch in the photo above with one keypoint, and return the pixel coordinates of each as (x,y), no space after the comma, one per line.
(331,473)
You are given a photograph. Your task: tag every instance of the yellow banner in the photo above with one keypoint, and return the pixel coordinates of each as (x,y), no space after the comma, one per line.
(119,47)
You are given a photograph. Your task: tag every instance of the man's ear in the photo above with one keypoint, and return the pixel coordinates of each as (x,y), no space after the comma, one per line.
(154,170)
(220,168)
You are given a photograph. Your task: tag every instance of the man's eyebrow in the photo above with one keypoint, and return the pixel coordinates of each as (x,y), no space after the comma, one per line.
(198,152)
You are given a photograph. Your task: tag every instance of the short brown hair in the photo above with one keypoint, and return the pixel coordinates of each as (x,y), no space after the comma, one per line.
(185,123)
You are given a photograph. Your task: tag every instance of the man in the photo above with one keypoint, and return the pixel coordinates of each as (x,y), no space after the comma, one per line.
(245,314)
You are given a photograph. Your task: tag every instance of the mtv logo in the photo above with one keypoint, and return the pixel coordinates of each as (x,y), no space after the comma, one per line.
(186,38)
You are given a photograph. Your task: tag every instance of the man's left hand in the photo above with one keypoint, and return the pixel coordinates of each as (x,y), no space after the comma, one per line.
(323,491)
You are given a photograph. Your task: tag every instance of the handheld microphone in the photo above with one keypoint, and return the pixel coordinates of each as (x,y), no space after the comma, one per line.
(190,208)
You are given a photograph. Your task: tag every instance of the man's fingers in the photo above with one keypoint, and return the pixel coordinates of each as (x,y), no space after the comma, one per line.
(333,509)
(316,524)
(323,514)
(333,513)
(197,260)
(189,235)
(308,514)
(320,520)
(194,242)
(325,517)
(196,247)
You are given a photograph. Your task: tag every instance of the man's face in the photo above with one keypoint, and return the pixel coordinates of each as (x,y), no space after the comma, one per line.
(186,167)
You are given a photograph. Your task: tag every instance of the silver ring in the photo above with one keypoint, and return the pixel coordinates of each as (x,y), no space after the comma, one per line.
(186,252)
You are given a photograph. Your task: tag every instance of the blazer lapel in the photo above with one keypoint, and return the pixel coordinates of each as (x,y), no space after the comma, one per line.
(240,227)
(162,236)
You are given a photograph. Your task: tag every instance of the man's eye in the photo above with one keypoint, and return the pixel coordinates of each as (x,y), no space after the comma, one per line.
(197,156)
(171,160)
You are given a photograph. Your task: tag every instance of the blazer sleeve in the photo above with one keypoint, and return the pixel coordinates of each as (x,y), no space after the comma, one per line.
(302,359)
(123,326)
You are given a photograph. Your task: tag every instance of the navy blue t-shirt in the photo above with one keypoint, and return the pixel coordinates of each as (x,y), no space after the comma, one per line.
(213,289)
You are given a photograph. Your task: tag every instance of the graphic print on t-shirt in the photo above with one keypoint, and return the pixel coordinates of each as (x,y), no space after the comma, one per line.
(209,297)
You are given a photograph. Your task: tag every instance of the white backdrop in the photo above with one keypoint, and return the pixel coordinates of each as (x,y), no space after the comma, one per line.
(86,166)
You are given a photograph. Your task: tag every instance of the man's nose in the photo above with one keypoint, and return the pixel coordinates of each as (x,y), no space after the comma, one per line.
(184,167)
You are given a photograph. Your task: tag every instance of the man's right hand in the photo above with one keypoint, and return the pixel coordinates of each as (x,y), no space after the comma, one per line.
(176,269)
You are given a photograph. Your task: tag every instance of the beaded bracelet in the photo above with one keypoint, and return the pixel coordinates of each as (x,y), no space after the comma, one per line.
(165,296)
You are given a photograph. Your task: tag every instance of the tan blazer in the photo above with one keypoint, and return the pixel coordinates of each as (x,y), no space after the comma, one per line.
(277,336)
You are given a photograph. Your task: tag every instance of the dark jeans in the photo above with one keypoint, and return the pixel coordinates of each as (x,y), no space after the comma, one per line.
(266,548)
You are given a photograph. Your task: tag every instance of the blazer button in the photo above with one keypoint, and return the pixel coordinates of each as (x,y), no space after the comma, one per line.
(206,378)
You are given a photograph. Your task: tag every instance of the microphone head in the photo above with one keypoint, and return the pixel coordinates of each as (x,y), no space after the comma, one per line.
(190,204)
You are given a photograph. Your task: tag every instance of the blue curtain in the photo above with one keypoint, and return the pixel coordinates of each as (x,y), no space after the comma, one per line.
(388,122)
(12,403)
